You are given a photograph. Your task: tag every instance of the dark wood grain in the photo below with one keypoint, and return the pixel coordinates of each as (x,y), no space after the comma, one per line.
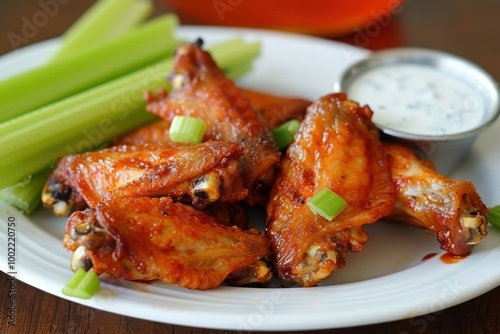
(468,28)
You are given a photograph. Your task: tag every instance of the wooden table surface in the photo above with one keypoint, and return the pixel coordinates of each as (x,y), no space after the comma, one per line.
(468,28)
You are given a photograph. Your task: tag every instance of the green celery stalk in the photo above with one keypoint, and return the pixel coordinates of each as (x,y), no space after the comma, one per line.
(104,21)
(235,53)
(239,71)
(25,195)
(494,215)
(34,136)
(54,81)
(88,139)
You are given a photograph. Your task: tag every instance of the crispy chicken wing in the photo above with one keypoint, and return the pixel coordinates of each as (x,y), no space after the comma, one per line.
(200,89)
(200,174)
(141,238)
(452,209)
(336,147)
(272,109)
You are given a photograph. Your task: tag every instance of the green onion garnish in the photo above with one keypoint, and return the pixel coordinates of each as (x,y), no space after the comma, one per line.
(283,134)
(185,129)
(494,215)
(326,203)
(82,285)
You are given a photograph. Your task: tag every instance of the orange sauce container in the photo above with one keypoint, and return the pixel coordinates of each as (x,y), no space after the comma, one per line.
(316,17)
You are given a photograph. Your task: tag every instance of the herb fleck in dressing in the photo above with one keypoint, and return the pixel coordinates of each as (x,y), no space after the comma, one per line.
(418,100)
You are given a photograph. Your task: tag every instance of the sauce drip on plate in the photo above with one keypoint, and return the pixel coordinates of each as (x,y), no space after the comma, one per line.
(449,258)
(429,256)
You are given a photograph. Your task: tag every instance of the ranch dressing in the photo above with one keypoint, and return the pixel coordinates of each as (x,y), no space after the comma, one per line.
(418,99)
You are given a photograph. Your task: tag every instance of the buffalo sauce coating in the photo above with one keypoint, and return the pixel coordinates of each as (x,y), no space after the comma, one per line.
(141,238)
(336,147)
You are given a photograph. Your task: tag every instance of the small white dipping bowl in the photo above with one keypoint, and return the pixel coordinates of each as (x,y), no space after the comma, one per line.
(437,102)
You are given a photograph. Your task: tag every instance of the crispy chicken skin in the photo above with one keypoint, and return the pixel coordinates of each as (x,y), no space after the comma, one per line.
(200,89)
(336,147)
(275,110)
(199,174)
(155,133)
(452,209)
(228,214)
(141,238)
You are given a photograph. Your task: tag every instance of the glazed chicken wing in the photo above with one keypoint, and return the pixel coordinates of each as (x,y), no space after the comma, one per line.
(452,209)
(272,109)
(200,89)
(336,147)
(141,238)
(199,174)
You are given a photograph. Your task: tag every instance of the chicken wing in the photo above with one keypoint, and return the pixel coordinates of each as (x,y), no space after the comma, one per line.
(200,89)
(452,209)
(199,174)
(272,109)
(336,147)
(141,238)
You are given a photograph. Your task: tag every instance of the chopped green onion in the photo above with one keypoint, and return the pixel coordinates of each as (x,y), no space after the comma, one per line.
(104,21)
(185,129)
(494,215)
(82,285)
(283,134)
(50,83)
(326,203)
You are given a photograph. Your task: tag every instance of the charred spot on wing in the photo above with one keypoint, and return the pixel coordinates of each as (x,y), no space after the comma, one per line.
(58,196)
(258,274)
(198,42)
(63,194)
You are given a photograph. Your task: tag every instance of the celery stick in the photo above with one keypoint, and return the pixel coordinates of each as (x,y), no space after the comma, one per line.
(88,139)
(494,215)
(25,195)
(53,124)
(47,84)
(27,139)
(239,71)
(104,21)
(235,53)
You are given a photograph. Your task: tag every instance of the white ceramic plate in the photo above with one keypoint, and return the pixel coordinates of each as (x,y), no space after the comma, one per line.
(387,281)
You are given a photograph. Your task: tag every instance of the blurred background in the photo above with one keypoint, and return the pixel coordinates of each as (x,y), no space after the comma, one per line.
(468,28)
